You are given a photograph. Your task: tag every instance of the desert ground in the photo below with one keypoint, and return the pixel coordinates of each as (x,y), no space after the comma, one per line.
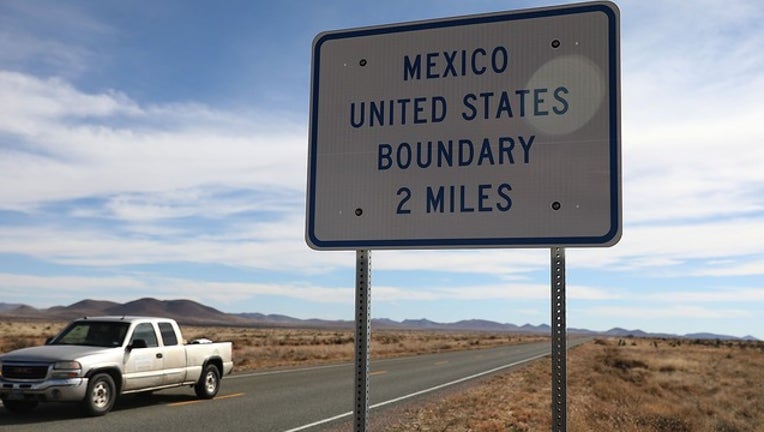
(625,385)
(631,384)
(262,348)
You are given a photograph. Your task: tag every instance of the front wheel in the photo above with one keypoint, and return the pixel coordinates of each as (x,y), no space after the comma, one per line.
(209,383)
(100,396)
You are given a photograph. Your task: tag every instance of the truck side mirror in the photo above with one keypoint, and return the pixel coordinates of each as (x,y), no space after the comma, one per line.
(137,343)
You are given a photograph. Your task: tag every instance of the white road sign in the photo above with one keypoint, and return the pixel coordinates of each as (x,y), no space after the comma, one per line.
(499,130)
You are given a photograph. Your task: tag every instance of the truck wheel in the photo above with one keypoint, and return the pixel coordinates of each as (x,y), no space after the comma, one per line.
(100,396)
(209,383)
(19,406)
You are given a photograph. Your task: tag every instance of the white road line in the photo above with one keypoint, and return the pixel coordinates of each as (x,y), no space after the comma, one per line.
(320,422)
(421,392)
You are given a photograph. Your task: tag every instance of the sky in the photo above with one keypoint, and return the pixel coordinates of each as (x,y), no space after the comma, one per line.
(159,149)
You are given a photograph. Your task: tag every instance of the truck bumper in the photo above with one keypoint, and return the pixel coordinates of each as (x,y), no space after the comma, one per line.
(62,390)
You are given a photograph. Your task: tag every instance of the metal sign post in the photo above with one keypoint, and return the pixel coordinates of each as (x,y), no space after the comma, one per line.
(362,338)
(559,342)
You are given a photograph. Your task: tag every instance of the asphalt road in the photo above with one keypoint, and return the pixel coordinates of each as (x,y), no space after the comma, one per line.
(305,399)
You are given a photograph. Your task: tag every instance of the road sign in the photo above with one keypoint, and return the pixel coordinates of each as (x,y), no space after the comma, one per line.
(497,130)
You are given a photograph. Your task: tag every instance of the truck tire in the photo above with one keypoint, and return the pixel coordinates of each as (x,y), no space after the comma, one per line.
(100,395)
(209,382)
(19,406)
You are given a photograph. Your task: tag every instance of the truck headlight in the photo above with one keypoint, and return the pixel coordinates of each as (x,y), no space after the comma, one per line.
(66,369)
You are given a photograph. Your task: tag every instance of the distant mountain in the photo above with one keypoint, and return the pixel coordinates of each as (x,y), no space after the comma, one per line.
(4,307)
(386,323)
(543,328)
(25,310)
(484,325)
(272,318)
(82,308)
(189,312)
(714,336)
(423,324)
(620,332)
(184,311)
(464,325)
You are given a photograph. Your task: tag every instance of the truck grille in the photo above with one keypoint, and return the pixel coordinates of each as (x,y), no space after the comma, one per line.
(24,371)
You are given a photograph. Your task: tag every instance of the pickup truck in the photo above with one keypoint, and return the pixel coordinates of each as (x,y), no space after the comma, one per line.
(94,360)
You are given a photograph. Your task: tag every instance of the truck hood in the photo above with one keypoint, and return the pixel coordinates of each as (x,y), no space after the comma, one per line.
(52,353)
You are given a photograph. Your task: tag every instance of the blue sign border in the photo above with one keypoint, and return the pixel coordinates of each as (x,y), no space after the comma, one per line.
(609,239)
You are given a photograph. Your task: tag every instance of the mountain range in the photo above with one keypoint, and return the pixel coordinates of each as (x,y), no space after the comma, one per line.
(189,312)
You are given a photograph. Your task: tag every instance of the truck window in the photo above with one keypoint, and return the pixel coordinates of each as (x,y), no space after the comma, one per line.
(146,332)
(168,334)
(93,333)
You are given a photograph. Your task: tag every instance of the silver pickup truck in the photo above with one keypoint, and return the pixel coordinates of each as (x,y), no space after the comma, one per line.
(93,360)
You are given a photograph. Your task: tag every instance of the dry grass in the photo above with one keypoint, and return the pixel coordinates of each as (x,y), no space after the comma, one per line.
(22,334)
(626,386)
(266,348)
(613,385)
(259,348)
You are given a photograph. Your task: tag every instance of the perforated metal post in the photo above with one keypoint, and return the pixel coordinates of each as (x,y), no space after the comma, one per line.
(559,342)
(362,338)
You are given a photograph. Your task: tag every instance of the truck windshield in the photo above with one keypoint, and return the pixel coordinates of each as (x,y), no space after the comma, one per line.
(93,333)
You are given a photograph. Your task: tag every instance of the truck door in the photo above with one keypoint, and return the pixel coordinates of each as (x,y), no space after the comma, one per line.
(174,355)
(143,365)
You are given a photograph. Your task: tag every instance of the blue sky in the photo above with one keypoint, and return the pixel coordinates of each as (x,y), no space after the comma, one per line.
(159,149)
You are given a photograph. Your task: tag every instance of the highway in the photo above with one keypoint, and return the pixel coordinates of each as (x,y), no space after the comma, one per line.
(303,399)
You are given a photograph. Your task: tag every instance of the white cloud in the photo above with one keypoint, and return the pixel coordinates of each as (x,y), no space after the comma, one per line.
(158,162)
(207,202)
(732,295)
(723,243)
(230,292)
(739,267)
(61,143)
(49,36)
(680,170)
(278,245)
(486,292)
(508,264)
(134,285)
(46,291)
(128,288)
(691,139)
(66,283)
(107,181)
(39,103)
